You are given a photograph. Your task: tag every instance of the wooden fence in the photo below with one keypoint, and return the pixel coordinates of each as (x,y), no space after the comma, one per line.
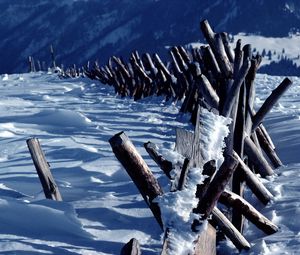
(221,80)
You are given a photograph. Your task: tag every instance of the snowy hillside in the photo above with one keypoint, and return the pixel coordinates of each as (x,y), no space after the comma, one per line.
(102,209)
(95,30)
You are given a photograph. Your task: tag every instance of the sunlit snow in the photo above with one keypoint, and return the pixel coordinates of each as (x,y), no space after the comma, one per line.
(102,209)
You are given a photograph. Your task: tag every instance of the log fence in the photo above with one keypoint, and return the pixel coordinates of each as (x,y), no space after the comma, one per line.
(220,79)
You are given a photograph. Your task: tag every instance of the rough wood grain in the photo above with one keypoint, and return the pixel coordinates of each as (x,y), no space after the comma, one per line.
(131,248)
(229,230)
(217,186)
(233,200)
(257,159)
(270,102)
(253,182)
(43,170)
(138,170)
(164,164)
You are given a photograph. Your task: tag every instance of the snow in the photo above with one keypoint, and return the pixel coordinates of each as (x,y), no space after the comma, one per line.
(102,209)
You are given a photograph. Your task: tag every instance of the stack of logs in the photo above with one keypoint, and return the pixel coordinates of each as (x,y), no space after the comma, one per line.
(221,80)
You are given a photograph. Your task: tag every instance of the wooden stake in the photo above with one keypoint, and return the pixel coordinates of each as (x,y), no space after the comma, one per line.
(216,187)
(208,92)
(233,200)
(230,99)
(270,102)
(253,182)
(138,170)
(266,146)
(43,170)
(164,164)
(131,248)
(217,46)
(229,230)
(257,159)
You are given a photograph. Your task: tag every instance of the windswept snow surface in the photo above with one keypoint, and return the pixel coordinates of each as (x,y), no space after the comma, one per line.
(102,209)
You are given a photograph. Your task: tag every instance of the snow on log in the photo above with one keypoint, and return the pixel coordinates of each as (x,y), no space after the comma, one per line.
(230,199)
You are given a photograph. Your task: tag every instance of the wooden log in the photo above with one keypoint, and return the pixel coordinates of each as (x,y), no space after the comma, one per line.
(238,179)
(270,152)
(217,46)
(257,159)
(189,100)
(160,65)
(122,67)
(208,92)
(250,87)
(211,62)
(217,186)
(270,102)
(182,82)
(142,74)
(209,170)
(184,54)
(164,164)
(230,99)
(183,174)
(228,50)
(224,62)
(184,142)
(206,242)
(238,60)
(229,230)
(267,136)
(149,65)
(196,157)
(43,170)
(253,182)
(138,170)
(181,63)
(230,199)
(131,248)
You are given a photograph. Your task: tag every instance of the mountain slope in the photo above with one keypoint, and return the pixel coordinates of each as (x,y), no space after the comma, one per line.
(90,29)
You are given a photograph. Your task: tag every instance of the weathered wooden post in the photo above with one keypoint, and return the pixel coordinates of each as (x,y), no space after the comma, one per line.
(270,101)
(131,248)
(138,170)
(42,167)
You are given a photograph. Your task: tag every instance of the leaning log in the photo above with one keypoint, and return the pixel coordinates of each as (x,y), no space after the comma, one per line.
(253,182)
(229,230)
(216,187)
(217,46)
(163,163)
(208,92)
(270,102)
(43,170)
(233,93)
(230,199)
(138,170)
(257,159)
(266,146)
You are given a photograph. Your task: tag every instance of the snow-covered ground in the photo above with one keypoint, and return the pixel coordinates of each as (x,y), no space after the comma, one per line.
(102,209)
